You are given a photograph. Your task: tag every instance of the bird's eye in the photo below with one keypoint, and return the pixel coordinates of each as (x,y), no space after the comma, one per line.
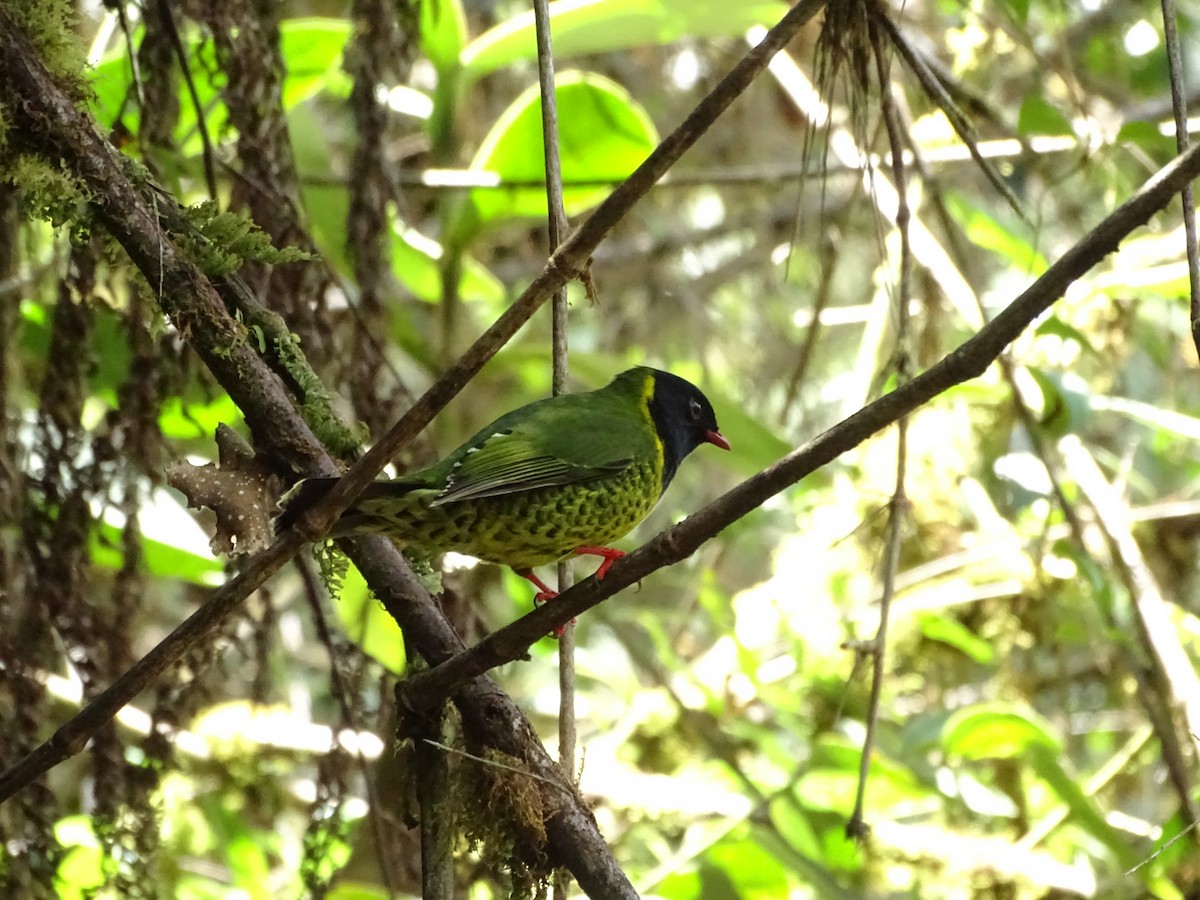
(694,409)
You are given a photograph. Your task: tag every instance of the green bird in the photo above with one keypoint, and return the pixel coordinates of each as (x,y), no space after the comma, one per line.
(563,476)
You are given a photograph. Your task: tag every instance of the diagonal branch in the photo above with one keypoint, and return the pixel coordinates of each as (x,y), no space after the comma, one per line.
(969,360)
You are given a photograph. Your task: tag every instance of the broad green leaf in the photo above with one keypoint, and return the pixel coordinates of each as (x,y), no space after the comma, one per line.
(312,57)
(160,559)
(81,869)
(1019,9)
(248,865)
(754,445)
(443,33)
(416,263)
(189,420)
(356,890)
(603,136)
(80,873)
(683,885)
(749,868)
(1065,406)
(312,51)
(367,623)
(1044,760)
(1146,136)
(1038,117)
(954,634)
(984,231)
(996,731)
(326,204)
(1054,325)
(598,26)
(795,826)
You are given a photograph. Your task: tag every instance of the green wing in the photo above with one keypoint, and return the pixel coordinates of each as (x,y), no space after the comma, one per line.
(571,439)
(515,461)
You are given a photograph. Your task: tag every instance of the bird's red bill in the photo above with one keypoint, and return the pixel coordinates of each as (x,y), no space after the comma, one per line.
(715,437)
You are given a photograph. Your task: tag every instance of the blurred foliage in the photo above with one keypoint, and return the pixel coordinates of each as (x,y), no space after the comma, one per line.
(1030,741)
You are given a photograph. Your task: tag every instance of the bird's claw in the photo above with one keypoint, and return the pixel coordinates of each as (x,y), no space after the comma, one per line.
(544,596)
(608,553)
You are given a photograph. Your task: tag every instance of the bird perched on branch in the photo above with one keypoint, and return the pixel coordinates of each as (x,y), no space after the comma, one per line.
(559,477)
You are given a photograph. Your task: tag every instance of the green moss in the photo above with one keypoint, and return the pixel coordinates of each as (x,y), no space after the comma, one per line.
(421,562)
(333,566)
(50,26)
(52,193)
(222,241)
(508,828)
(317,401)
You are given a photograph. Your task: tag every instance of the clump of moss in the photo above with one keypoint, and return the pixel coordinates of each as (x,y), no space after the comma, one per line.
(222,241)
(50,27)
(508,828)
(52,193)
(317,401)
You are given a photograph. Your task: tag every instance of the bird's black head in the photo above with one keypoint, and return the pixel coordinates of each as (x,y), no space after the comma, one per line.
(683,418)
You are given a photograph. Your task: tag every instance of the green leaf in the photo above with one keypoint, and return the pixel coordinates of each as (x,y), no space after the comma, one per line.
(603,136)
(356,890)
(749,869)
(1056,327)
(160,559)
(795,826)
(599,26)
(416,263)
(954,634)
(248,865)
(1065,406)
(80,873)
(1038,117)
(1147,137)
(1019,9)
(986,232)
(443,33)
(996,731)
(312,51)
(1044,760)
(754,445)
(367,623)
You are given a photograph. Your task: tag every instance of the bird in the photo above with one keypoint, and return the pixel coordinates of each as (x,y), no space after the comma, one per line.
(559,477)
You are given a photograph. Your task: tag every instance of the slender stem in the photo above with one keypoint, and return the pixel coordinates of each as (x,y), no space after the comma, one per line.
(1179,107)
(557,222)
(856,827)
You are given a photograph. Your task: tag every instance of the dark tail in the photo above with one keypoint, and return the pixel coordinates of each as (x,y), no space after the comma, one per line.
(299,499)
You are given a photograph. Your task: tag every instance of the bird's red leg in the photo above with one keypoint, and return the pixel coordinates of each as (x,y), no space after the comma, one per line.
(544,593)
(610,556)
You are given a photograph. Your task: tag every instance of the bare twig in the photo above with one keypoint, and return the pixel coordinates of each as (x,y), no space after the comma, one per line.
(185,67)
(933,86)
(557,224)
(435,797)
(856,826)
(1179,107)
(1173,676)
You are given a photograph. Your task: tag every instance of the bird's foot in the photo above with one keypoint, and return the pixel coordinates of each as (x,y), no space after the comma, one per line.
(610,556)
(544,594)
